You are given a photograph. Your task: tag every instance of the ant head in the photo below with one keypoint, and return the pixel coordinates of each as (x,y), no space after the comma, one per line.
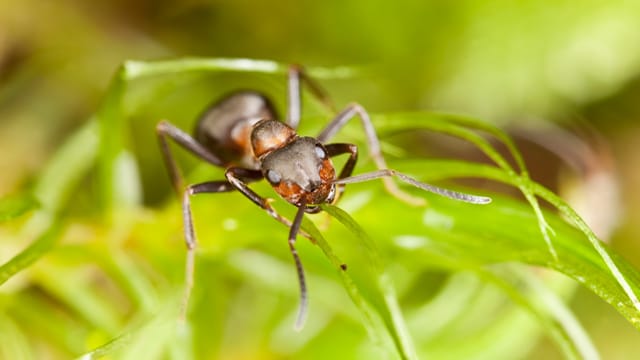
(269,135)
(301,172)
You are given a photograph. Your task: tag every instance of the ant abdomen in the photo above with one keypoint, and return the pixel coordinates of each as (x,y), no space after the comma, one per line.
(225,127)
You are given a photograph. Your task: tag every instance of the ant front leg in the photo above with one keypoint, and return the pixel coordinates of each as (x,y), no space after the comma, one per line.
(233,177)
(165,130)
(297,74)
(241,176)
(374,147)
(189,232)
(208,187)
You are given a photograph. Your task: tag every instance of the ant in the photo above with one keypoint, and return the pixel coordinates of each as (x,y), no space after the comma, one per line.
(241,134)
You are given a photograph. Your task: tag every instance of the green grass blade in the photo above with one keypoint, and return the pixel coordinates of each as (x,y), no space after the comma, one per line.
(15,205)
(139,69)
(372,317)
(111,117)
(57,328)
(149,338)
(477,124)
(622,279)
(579,259)
(60,178)
(434,122)
(448,124)
(566,340)
(29,255)
(79,297)
(543,295)
(52,190)
(107,349)
(14,343)
(390,311)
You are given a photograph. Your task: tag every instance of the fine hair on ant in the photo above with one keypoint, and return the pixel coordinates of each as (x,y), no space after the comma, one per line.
(242,134)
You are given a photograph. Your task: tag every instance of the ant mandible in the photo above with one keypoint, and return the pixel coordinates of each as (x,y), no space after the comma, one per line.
(241,133)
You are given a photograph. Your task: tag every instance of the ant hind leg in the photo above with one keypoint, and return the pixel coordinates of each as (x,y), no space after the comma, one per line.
(165,130)
(295,76)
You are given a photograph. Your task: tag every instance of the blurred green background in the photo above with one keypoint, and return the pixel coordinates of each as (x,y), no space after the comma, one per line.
(513,63)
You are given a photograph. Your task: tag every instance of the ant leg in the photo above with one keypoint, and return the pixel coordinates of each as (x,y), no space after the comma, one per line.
(232,176)
(189,232)
(302,283)
(347,169)
(294,107)
(473,199)
(165,129)
(338,149)
(235,177)
(374,147)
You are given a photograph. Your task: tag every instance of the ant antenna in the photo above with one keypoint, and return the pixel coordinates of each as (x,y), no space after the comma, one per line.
(468,198)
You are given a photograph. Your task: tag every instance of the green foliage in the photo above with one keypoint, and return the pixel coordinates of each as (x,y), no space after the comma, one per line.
(450,280)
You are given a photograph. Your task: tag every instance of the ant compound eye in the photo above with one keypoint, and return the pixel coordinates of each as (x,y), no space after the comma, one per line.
(320,152)
(273,176)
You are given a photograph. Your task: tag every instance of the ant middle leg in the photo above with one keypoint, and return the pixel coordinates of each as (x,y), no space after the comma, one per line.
(347,169)
(373,143)
(236,178)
